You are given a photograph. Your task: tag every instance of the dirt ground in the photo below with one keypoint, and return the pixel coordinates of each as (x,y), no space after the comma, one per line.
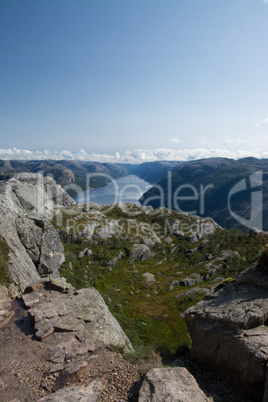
(24,370)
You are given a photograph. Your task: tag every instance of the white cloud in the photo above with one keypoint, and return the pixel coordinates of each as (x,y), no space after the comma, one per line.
(239,142)
(263,123)
(132,156)
(177,140)
(227,141)
(204,141)
(265,1)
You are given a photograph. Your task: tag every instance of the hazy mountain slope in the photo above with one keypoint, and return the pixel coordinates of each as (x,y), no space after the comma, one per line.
(154,171)
(209,183)
(66,172)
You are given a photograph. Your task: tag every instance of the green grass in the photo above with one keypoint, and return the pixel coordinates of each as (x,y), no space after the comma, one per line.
(4,250)
(264,257)
(155,321)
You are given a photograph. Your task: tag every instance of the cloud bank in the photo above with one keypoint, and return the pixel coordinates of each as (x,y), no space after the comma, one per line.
(131,156)
(263,123)
(176,140)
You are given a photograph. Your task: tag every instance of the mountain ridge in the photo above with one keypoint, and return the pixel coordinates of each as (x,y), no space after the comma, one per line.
(216,177)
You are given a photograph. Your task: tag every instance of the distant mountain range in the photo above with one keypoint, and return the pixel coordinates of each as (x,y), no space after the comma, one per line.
(233,192)
(65,172)
(76,172)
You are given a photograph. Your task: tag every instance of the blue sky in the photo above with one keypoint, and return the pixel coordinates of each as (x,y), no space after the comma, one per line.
(152,78)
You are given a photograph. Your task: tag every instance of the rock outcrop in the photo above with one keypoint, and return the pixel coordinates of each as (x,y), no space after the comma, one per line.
(42,243)
(230,334)
(141,251)
(80,319)
(27,203)
(171,385)
(75,329)
(72,394)
(35,193)
(21,268)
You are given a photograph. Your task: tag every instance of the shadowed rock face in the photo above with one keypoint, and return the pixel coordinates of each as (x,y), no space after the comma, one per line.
(230,334)
(22,270)
(42,243)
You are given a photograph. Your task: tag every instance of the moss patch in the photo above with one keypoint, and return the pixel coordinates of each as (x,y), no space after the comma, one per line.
(4,250)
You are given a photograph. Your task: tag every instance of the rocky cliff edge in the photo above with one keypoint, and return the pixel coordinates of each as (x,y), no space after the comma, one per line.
(28,202)
(229,332)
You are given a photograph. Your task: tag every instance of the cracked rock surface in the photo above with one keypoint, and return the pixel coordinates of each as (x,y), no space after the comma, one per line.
(73,323)
(173,384)
(229,332)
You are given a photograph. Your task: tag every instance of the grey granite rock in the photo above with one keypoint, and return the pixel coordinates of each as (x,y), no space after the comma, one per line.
(141,251)
(52,251)
(170,385)
(190,281)
(80,317)
(229,332)
(42,243)
(21,268)
(90,393)
(26,204)
(149,278)
(34,193)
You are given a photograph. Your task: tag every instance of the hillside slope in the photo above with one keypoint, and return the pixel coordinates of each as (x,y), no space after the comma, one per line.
(220,188)
(145,266)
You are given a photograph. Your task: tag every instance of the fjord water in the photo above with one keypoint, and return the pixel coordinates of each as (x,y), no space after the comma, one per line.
(126,189)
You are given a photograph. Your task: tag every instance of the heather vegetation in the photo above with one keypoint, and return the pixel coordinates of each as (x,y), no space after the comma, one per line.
(182,270)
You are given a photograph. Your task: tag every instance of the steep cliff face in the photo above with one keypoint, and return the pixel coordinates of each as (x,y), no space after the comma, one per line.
(229,332)
(27,203)
(21,269)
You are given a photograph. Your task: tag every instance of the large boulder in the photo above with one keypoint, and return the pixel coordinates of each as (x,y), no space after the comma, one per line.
(229,332)
(109,229)
(52,251)
(141,251)
(170,385)
(81,317)
(74,394)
